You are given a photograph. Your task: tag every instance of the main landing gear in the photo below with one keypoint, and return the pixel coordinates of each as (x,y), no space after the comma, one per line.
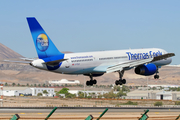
(91,82)
(156,76)
(120,81)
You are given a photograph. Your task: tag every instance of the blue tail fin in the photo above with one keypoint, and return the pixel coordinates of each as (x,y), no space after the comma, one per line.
(44,46)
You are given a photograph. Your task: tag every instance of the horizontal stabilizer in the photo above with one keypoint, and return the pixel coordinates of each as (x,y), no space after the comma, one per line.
(27,59)
(25,62)
(55,62)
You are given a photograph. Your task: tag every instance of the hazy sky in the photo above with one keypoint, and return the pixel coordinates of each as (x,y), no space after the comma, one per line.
(93,25)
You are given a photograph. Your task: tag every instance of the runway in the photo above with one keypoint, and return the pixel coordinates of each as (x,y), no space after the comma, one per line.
(84,110)
(82,113)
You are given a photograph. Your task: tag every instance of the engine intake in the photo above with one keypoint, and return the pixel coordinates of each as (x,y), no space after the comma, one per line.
(146,70)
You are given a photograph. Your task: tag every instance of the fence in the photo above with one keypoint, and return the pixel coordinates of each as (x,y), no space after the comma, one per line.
(1,95)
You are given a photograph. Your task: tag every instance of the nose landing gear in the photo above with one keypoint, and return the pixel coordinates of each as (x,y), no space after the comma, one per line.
(156,76)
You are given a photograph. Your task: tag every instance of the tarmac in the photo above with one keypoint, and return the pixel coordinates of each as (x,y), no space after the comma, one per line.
(81,114)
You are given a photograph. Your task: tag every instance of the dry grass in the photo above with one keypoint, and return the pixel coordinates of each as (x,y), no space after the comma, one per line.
(51,102)
(46,101)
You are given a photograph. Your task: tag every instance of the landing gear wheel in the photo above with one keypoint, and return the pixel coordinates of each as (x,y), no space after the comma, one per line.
(91,82)
(87,83)
(124,81)
(156,76)
(117,82)
(120,82)
(94,81)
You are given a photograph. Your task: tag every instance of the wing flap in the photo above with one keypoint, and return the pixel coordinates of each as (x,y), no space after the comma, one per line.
(119,67)
(23,62)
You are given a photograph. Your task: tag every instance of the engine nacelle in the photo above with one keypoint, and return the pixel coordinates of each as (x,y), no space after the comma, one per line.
(148,69)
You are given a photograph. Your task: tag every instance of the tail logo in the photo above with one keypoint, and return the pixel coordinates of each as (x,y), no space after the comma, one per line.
(42,42)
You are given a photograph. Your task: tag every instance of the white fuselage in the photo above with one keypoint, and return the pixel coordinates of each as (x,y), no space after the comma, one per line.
(98,62)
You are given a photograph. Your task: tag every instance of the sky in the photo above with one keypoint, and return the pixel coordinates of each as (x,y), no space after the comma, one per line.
(93,25)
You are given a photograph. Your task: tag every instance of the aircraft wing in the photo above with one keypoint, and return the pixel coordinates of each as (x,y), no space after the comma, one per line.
(163,56)
(130,64)
(25,60)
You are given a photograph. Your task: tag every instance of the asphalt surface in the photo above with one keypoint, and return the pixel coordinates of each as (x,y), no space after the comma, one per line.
(82,110)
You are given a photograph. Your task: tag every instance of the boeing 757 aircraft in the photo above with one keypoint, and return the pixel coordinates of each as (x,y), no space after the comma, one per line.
(93,64)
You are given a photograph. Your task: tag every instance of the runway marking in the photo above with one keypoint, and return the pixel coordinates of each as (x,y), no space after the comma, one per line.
(156,112)
(39,113)
(99,112)
(68,115)
(22,113)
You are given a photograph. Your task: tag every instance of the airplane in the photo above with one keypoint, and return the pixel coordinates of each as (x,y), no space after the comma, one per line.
(93,64)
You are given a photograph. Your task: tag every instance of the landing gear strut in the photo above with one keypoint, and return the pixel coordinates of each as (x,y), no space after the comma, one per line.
(91,82)
(156,76)
(120,81)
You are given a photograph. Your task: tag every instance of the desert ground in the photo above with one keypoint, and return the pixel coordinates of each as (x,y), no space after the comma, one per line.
(81,114)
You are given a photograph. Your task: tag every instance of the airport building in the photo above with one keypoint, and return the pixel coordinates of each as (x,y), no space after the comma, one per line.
(152,94)
(164,86)
(166,96)
(136,94)
(50,91)
(26,91)
(64,81)
(95,93)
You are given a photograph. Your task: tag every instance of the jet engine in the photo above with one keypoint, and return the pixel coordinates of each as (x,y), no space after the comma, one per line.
(146,69)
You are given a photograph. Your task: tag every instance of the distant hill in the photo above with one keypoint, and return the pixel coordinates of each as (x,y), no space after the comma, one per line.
(6,52)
